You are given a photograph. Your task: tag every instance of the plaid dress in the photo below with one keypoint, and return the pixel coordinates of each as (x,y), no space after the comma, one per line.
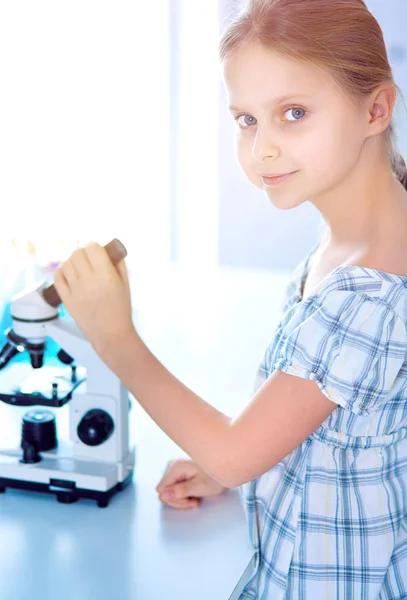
(330,520)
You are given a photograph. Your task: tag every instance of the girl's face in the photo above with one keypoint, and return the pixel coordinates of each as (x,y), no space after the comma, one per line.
(291,116)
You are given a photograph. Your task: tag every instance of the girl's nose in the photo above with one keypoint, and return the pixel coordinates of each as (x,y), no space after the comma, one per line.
(264,147)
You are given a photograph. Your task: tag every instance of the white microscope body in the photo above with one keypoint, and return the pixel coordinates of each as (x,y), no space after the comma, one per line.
(97,461)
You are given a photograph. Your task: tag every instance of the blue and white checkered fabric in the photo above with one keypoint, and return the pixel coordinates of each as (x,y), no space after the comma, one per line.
(330,520)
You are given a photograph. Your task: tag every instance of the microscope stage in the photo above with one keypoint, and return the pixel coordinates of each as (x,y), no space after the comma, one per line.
(48,386)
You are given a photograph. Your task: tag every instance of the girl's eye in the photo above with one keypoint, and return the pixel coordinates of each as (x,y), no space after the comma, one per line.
(246,123)
(298,113)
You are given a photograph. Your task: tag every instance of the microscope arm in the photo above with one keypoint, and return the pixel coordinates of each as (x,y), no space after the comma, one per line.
(99,378)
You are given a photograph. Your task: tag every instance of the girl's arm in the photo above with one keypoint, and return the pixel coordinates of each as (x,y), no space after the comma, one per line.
(283,413)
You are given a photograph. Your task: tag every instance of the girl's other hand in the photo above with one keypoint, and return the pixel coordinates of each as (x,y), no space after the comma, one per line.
(184,484)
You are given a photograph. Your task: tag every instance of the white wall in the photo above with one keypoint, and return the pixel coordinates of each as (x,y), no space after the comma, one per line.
(84,121)
(392,16)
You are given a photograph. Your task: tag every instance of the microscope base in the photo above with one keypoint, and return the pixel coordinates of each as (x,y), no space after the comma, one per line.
(68,479)
(66,496)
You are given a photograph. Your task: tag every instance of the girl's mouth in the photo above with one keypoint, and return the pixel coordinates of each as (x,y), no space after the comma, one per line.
(277,180)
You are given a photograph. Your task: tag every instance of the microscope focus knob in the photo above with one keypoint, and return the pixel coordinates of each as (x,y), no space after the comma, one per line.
(116,252)
(95,427)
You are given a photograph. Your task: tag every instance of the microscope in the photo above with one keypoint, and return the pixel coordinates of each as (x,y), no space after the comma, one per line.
(97,460)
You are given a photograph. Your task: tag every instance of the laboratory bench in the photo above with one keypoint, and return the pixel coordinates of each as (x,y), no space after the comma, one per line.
(210,330)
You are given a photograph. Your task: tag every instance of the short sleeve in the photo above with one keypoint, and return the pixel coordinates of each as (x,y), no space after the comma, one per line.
(352,345)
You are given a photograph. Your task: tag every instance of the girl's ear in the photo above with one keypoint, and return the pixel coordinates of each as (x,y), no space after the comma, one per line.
(381,105)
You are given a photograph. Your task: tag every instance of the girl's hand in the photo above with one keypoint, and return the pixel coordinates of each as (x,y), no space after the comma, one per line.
(184,484)
(96,293)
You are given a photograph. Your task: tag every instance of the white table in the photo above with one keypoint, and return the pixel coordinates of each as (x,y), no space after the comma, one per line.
(138,548)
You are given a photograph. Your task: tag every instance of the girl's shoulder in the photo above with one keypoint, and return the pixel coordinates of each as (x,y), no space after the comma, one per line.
(364,281)
(364,284)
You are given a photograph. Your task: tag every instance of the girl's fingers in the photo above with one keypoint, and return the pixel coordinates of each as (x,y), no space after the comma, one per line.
(61,284)
(98,258)
(182,504)
(122,268)
(79,260)
(177,471)
(69,272)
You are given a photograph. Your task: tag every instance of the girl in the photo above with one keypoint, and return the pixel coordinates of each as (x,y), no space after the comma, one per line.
(320,452)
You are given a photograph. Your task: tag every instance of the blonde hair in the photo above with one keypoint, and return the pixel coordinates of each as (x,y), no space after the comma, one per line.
(339,35)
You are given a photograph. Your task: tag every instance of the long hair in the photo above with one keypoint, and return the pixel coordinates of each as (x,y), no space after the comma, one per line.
(341,36)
